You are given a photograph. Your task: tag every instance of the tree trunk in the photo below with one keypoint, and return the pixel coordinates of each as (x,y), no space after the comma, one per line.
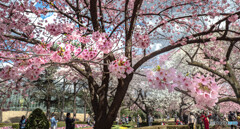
(85,106)
(48,103)
(105,120)
(63,102)
(27,110)
(180,114)
(74,99)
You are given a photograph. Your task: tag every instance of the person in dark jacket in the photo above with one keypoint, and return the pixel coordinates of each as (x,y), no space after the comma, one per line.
(22,122)
(232,117)
(199,120)
(70,122)
(185,118)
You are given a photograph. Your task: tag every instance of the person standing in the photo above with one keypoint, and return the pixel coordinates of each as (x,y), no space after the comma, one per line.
(238,119)
(199,120)
(205,120)
(168,117)
(191,120)
(175,117)
(23,122)
(150,120)
(185,118)
(123,119)
(127,119)
(117,120)
(53,122)
(139,119)
(89,120)
(231,117)
(69,122)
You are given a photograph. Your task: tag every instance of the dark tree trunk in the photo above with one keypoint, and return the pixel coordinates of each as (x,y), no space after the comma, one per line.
(105,120)
(85,106)
(48,104)
(74,99)
(104,113)
(63,101)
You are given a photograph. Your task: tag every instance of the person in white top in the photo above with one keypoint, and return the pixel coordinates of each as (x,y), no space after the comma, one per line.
(191,120)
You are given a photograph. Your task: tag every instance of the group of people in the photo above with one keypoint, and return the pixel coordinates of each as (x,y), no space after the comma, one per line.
(234,116)
(126,119)
(204,119)
(69,122)
(192,120)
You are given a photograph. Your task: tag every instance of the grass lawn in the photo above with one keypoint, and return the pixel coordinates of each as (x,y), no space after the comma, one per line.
(121,127)
(59,124)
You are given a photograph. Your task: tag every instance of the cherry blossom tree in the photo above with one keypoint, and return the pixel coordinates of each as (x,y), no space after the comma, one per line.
(97,40)
(223,66)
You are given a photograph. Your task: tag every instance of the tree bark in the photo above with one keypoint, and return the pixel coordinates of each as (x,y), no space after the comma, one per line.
(48,104)
(74,99)
(85,105)
(63,101)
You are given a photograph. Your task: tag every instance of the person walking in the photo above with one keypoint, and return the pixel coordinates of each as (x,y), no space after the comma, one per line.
(53,122)
(23,122)
(191,120)
(69,122)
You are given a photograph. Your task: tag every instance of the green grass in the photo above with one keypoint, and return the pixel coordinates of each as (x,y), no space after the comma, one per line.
(5,124)
(59,124)
(124,126)
(121,127)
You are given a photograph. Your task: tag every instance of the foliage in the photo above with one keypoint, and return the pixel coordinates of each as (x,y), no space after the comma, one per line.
(15,126)
(166,127)
(5,124)
(80,122)
(37,119)
(111,45)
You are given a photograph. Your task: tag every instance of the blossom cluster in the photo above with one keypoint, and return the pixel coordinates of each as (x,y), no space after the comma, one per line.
(57,29)
(142,40)
(120,67)
(203,88)
(102,42)
(162,78)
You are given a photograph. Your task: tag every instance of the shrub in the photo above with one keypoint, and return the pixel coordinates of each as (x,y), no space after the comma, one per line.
(5,124)
(126,125)
(80,122)
(15,126)
(61,124)
(37,119)
(166,127)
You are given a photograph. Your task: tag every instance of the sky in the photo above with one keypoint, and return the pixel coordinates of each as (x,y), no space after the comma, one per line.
(40,6)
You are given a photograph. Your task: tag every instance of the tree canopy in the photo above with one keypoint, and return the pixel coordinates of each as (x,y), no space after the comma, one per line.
(98,40)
